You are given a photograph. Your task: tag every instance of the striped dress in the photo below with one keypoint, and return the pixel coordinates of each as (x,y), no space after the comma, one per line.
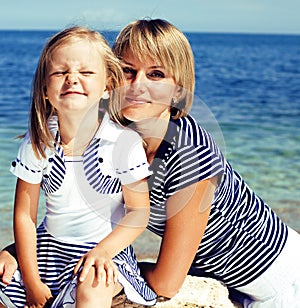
(243,235)
(83,205)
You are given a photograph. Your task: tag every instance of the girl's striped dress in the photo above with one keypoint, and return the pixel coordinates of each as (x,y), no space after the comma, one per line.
(83,205)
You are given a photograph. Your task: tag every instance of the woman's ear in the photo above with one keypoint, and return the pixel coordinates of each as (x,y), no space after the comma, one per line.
(177,94)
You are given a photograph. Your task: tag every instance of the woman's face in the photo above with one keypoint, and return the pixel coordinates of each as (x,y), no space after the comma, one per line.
(148,91)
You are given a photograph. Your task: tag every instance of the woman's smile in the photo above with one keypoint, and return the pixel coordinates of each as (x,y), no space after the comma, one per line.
(136,100)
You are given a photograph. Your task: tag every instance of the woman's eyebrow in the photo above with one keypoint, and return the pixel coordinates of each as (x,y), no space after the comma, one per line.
(126,62)
(152,67)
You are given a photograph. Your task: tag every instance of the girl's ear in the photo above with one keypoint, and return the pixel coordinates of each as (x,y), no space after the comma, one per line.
(107,89)
(105,94)
(45,93)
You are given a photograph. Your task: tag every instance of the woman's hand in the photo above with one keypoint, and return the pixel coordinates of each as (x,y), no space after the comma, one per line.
(105,268)
(37,295)
(8,266)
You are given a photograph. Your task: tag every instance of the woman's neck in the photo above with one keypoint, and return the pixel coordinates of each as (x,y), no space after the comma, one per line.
(153,132)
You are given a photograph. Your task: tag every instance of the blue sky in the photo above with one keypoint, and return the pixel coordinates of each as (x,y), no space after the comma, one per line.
(242,16)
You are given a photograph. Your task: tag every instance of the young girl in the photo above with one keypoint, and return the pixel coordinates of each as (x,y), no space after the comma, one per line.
(88,167)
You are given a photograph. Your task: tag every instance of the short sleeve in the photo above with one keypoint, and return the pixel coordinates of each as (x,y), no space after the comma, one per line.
(192,164)
(129,158)
(27,166)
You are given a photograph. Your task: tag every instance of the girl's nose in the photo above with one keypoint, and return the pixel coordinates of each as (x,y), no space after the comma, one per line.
(71,79)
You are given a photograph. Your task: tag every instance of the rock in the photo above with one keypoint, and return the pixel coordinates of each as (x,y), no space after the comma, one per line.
(196,292)
(200,292)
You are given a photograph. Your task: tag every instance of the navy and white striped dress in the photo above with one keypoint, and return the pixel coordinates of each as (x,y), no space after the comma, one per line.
(243,235)
(83,204)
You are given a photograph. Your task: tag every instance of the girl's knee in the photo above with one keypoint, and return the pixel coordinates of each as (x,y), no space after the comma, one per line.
(93,293)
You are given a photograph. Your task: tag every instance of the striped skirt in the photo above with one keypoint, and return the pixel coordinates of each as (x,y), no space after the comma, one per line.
(56,262)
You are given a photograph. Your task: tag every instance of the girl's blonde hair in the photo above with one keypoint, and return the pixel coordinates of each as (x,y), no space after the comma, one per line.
(162,42)
(41,109)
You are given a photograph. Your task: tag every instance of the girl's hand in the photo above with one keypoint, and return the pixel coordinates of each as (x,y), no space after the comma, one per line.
(38,295)
(105,268)
(8,266)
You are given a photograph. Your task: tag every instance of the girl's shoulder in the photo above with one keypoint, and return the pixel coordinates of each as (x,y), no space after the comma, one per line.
(112,131)
(27,165)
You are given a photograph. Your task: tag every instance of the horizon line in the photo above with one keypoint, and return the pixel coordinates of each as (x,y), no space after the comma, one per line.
(184,31)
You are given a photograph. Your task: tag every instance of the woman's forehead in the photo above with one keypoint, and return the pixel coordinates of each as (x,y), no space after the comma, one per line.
(146,58)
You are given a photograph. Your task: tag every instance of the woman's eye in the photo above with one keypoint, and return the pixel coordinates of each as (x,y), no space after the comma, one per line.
(156,75)
(128,72)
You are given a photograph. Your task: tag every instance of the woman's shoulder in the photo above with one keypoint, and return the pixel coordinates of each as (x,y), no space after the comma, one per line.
(188,123)
(189,130)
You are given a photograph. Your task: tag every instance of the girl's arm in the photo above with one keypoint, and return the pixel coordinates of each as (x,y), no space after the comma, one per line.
(25,216)
(136,198)
(188,211)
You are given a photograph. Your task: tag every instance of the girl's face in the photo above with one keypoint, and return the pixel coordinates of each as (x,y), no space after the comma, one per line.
(76,78)
(149,89)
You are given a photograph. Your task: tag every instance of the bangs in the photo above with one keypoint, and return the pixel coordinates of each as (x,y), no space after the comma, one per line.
(145,41)
(145,45)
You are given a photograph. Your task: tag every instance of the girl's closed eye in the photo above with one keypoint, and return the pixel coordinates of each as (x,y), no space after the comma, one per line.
(58,73)
(87,73)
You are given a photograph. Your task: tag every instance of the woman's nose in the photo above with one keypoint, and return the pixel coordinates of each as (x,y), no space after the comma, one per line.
(138,83)
(140,77)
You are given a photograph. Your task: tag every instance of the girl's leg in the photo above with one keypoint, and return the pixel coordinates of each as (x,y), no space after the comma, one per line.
(91,293)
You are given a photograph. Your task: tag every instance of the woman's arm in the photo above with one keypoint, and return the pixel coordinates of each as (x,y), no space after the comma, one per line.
(188,211)
(136,198)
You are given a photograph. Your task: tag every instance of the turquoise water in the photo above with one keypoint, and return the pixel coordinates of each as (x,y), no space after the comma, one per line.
(247,95)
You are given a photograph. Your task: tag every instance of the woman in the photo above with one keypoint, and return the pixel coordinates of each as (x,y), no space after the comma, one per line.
(210,221)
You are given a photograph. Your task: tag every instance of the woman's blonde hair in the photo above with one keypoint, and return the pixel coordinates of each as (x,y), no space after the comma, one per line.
(162,42)
(41,109)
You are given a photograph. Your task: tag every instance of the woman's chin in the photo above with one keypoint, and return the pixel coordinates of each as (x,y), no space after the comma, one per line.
(134,116)
(135,119)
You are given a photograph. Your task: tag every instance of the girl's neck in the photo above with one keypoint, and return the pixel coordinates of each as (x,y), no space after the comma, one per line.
(77,132)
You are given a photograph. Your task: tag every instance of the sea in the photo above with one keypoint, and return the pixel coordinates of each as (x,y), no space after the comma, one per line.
(247,95)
